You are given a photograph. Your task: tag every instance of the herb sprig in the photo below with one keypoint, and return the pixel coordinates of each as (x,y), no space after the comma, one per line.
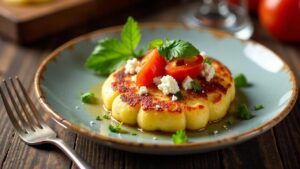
(179,137)
(111,53)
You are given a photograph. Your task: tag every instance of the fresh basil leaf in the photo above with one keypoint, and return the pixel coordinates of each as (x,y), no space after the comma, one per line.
(131,35)
(111,53)
(172,49)
(155,43)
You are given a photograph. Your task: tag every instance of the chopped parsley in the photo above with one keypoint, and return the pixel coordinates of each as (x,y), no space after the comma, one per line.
(111,53)
(115,128)
(98,118)
(106,116)
(240,80)
(179,137)
(133,133)
(207,61)
(258,107)
(196,87)
(229,122)
(243,112)
(179,95)
(88,97)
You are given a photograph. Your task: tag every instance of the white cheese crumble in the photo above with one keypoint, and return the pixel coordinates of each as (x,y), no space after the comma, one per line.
(156,80)
(132,66)
(168,85)
(133,78)
(157,107)
(187,83)
(143,90)
(216,132)
(208,72)
(174,98)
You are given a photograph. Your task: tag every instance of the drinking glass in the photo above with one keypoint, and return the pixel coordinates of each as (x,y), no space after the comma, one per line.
(220,14)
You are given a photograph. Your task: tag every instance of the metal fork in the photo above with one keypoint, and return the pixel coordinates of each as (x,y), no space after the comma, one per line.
(28,122)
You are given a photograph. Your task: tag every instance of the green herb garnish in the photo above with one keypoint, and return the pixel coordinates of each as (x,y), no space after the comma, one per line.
(98,118)
(179,137)
(133,133)
(106,116)
(258,107)
(207,61)
(229,122)
(243,112)
(179,95)
(87,97)
(156,43)
(115,128)
(240,80)
(171,49)
(196,87)
(111,53)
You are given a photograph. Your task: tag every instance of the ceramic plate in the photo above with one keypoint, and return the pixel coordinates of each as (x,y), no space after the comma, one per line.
(62,76)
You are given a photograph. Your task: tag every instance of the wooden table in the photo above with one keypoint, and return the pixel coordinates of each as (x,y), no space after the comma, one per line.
(277,148)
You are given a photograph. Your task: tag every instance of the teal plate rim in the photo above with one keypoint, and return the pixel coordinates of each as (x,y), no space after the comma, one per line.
(124,143)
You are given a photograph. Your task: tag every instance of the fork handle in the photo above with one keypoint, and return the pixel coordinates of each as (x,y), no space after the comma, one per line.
(70,153)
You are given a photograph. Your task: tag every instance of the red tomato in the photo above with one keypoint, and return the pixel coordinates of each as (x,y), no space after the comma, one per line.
(181,68)
(281,18)
(153,66)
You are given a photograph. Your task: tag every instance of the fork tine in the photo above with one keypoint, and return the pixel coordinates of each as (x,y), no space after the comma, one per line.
(10,113)
(24,123)
(31,105)
(25,110)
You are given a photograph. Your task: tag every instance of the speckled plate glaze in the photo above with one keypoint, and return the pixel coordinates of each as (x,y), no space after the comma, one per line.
(62,76)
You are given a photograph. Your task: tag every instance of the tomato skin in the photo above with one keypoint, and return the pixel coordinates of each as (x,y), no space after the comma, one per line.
(153,66)
(181,72)
(281,18)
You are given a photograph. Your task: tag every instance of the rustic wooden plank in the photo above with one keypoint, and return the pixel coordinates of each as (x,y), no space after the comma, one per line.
(104,157)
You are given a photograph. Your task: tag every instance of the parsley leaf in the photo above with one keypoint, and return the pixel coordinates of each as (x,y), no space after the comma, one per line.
(179,95)
(111,53)
(207,60)
(179,137)
(115,128)
(155,43)
(172,49)
(196,87)
(88,97)
(244,113)
(105,116)
(258,107)
(240,80)
(98,118)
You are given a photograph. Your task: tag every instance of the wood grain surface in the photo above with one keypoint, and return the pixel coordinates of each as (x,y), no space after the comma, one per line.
(276,149)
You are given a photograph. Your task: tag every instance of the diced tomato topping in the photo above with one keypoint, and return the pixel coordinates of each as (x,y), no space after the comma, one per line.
(153,65)
(181,68)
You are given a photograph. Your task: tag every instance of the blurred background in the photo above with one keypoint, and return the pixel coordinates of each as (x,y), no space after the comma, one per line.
(28,21)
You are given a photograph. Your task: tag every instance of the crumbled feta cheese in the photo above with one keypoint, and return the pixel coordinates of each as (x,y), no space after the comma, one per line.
(133,78)
(157,107)
(132,66)
(174,98)
(208,72)
(156,80)
(168,85)
(203,54)
(143,90)
(186,84)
